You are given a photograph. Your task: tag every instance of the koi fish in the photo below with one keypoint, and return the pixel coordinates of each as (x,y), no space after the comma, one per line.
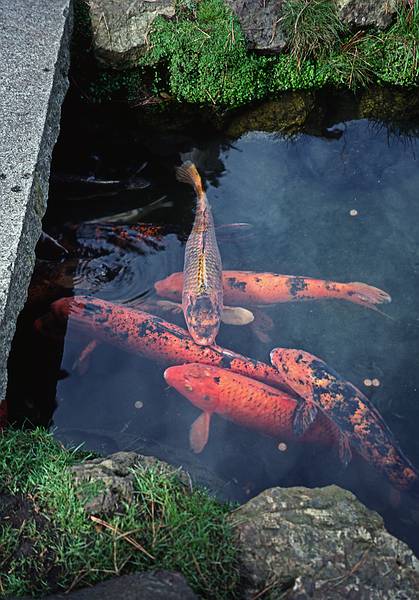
(202,289)
(231,315)
(249,288)
(149,336)
(243,401)
(361,425)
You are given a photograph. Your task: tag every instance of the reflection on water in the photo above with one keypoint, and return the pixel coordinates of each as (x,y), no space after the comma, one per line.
(340,207)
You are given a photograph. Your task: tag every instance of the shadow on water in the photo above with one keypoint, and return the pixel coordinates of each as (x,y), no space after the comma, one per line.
(328,186)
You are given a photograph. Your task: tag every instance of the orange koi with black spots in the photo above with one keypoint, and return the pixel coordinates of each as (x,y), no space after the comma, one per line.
(243,401)
(144,334)
(360,424)
(250,288)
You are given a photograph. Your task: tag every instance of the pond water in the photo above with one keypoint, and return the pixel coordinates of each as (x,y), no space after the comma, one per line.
(338,204)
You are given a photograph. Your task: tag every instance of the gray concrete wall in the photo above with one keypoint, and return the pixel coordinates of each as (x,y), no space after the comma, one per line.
(34,50)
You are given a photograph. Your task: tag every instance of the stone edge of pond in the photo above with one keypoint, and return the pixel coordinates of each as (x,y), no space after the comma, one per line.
(35,46)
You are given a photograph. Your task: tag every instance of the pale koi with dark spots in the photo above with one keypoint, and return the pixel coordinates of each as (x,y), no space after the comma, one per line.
(202,288)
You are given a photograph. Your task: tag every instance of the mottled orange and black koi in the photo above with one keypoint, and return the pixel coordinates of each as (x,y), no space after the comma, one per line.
(361,425)
(242,288)
(144,334)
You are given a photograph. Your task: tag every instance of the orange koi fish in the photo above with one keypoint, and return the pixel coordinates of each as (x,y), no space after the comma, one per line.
(359,422)
(202,289)
(144,334)
(245,402)
(249,288)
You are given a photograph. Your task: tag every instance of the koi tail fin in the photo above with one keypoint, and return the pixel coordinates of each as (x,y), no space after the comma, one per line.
(366,295)
(188,173)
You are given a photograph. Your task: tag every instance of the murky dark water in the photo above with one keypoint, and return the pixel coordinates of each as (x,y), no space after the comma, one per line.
(342,207)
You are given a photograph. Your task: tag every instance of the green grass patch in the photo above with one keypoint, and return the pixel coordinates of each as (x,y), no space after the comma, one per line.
(313,27)
(48,542)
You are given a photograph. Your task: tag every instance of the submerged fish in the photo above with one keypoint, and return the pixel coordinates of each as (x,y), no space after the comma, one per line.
(129,217)
(250,288)
(231,315)
(245,402)
(102,187)
(146,335)
(202,290)
(361,425)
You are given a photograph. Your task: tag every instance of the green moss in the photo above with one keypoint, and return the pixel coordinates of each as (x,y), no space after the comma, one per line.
(54,544)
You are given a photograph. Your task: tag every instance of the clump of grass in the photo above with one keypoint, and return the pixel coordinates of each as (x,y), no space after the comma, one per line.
(312,26)
(400,47)
(352,65)
(53,544)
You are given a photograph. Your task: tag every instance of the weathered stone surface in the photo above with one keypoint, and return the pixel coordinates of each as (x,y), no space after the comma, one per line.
(120,28)
(104,483)
(367,13)
(34,46)
(260,22)
(287,115)
(174,459)
(156,585)
(321,544)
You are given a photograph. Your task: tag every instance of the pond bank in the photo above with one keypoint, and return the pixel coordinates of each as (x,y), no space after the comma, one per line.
(229,54)
(73,522)
(35,46)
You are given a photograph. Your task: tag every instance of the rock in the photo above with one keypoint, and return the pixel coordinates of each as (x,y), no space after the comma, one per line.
(367,13)
(120,28)
(35,51)
(320,544)
(287,115)
(156,585)
(260,22)
(185,463)
(104,483)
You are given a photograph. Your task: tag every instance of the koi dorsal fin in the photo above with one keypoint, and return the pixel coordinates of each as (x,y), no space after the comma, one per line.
(188,173)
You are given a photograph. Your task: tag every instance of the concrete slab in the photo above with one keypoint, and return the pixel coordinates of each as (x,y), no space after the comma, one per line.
(34,50)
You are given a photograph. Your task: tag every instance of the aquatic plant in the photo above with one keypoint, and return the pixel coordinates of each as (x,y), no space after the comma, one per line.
(51,543)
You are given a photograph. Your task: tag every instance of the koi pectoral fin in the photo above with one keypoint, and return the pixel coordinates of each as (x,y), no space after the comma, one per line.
(236,315)
(345,452)
(82,362)
(305,414)
(198,435)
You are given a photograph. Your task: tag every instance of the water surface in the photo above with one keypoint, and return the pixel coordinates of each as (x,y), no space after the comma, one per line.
(343,208)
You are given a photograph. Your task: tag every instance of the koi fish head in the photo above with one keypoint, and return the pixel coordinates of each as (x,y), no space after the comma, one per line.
(197,382)
(170,287)
(203,317)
